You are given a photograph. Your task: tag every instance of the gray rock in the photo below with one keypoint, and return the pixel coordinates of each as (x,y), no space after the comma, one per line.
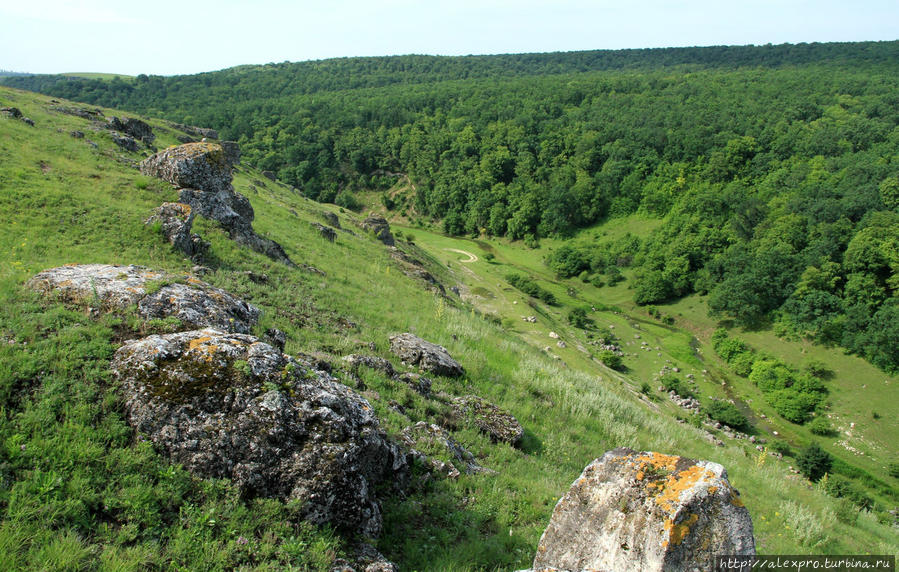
(428,436)
(331,219)
(430,357)
(205,174)
(90,114)
(646,511)
(125,142)
(232,152)
(270,175)
(133,127)
(365,558)
(378,226)
(28,121)
(77,134)
(196,131)
(11,112)
(192,165)
(326,232)
(176,220)
(419,383)
(114,288)
(500,426)
(277,338)
(355,361)
(230,406)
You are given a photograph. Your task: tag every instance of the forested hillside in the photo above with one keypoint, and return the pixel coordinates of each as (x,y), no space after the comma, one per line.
(774,169)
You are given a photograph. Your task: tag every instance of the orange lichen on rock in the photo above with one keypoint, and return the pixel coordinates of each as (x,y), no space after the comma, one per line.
(658,461)
(677,532)
(680,482)
(200,345)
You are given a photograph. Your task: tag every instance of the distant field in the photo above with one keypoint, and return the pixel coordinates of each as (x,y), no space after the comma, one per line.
(94,75)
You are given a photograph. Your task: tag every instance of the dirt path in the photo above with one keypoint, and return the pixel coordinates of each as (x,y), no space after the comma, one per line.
(471,257)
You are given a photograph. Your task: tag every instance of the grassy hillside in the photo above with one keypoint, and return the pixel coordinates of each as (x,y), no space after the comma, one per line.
(79,491)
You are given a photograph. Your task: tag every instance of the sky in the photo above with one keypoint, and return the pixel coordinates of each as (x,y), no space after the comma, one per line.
(167,37)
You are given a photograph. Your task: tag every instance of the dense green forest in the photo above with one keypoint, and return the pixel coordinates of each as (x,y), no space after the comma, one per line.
(774,169)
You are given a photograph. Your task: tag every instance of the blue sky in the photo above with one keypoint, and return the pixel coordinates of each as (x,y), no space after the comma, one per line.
(172,37)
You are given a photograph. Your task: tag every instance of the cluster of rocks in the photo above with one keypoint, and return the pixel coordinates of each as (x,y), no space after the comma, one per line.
(688,403)
(646,511)
(428,436)
(156,295)
(530,319)
(191,133)
(225,404)
(202,172)
(15,113)
(128,131)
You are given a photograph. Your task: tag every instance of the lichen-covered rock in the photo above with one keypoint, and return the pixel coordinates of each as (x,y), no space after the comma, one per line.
(176,221)
(11,112)
(379,226)
(500,426)
(156,294)
(192,165)
(230,406)
(428,437)
(125,142)
(133,127)
(204,172)
(646,511)
(426,355)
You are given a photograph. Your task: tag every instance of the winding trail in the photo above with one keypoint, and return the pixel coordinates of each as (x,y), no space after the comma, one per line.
(471,257)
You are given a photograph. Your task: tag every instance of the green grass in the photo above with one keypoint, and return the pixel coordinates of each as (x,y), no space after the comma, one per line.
(79,491)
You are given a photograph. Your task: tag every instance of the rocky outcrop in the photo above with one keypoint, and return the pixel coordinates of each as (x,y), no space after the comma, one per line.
(176,220)
(157,295)
(427,356)
(497,424)
(355,361)
(378,226)
(11,112)
(125,142)
(203,172)
(196,131)
(326,232)
(230,406)
(646,511)
(192,166)
(331,219)
(132,127)
(429,437)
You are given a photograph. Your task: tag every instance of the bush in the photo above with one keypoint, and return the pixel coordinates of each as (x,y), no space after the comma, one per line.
(531,288)
(894,470)
(814,462)
(673,383)
(727,413)
(597,281)
(577,317)
(726,347)
(645,388)
(347,200)
(780,446)
(610,359)
(742,363)
(821,426)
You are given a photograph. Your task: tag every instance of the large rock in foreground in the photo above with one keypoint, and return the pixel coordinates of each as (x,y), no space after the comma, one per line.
(430,357)
(156,294)
(230,406)
(646,511)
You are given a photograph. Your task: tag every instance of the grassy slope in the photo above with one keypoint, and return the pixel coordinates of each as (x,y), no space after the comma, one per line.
(77,490)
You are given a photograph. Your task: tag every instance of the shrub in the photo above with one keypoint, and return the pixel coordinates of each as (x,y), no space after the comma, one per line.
(821,426)
(577,317)
(597,281)
(645,388)
(673,383)
(726,347)
(742,363)
(727,413)
(610,359)
(814,462)
(347,200)
(894,470)
(780,446)
(531,288)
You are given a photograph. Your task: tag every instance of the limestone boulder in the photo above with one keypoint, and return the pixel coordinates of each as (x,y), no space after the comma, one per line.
(499,425)
(157,295)
(176,221)
(132,127)
(646,511)
(230,406)
(429,437)
(426,355)
(379,226)
(192,165)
